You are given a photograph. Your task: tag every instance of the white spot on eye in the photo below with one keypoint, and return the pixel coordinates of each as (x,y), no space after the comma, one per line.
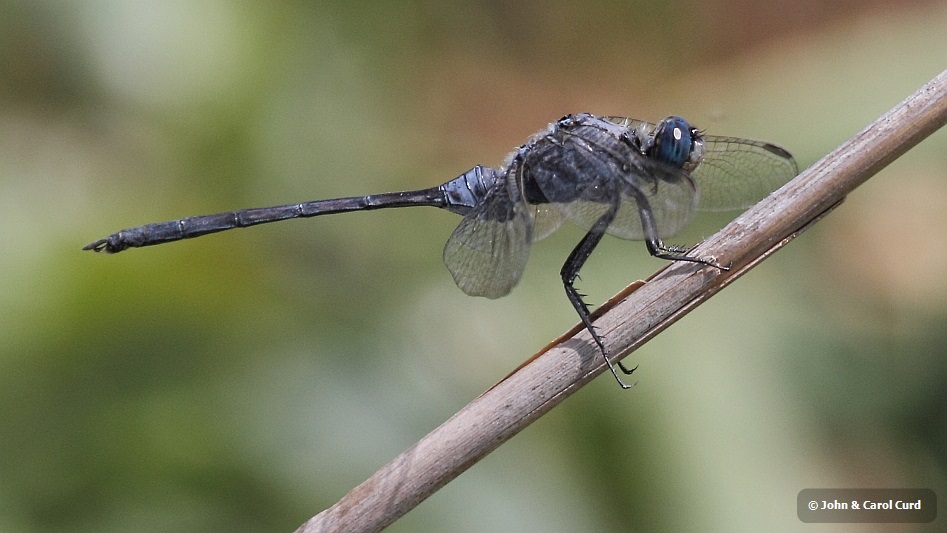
(677,134)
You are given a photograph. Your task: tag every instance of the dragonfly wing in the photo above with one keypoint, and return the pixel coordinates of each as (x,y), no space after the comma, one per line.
(670,193)
(487,253)
(736,173)
(672,201)
(546,219)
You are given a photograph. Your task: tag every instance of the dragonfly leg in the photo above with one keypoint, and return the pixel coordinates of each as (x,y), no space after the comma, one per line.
(569,273)
(656,246)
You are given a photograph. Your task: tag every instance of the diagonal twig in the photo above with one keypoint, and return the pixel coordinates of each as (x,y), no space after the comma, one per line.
(631,319)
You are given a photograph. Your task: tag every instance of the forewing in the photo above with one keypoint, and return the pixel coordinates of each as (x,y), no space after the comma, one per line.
(736,173)
(487,253)
(582,213)
(670,194)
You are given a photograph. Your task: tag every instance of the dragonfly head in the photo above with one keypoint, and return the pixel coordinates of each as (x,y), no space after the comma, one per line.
(676,143)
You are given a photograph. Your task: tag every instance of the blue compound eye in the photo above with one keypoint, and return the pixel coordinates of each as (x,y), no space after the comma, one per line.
(673,141)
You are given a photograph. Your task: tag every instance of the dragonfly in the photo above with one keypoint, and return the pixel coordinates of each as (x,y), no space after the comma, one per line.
(625,177)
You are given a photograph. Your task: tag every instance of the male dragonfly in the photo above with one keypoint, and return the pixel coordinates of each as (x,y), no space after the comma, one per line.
(625,177)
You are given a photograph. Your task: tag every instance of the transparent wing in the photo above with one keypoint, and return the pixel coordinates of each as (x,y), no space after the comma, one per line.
(736,173)
(668,192)
(546,219)
(673,202)
(487,253)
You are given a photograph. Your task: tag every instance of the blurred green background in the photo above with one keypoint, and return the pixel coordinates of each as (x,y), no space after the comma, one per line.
(247,380)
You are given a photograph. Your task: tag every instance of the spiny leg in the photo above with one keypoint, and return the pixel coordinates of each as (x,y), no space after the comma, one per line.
(656,247)
(570,271)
